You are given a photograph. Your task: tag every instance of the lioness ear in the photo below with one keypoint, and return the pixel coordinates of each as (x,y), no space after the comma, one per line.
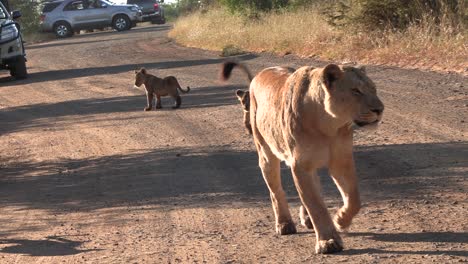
(143,70)
(240,93)
(331,73)
(362,68)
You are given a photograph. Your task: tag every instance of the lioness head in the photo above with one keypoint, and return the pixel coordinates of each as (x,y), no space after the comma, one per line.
(244,98)
(140,77)
(351,95)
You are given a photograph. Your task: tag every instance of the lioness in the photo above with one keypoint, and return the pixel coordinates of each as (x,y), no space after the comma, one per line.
(159,87)
(304,117)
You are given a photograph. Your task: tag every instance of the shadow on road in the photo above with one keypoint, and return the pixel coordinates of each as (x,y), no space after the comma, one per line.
(435,237)
(91,36)
(399,172)
(55,75)
(212,176)
(51,246)
(36,116)
(431,237)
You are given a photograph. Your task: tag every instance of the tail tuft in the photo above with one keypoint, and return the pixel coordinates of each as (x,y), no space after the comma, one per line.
(228,66)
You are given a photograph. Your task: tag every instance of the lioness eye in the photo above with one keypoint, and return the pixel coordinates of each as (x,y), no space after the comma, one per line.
(356,91)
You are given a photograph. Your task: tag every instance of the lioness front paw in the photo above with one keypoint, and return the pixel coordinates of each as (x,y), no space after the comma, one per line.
(286,228)
(329,246)
(148,108)
(341,221)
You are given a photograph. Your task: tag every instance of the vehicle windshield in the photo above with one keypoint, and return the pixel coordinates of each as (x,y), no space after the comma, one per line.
(107,2)
(3,12)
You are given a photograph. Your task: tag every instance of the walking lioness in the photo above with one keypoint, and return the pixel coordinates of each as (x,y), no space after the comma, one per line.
(305,117)
(159,87)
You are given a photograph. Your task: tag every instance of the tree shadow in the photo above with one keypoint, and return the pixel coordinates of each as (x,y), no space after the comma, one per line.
(410,171)
(54,75)
(352,252)
(83,110)
(435,237)
(51,246)
(206,177)
(59,43)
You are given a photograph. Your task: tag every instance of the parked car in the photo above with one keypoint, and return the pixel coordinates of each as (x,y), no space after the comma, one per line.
(64,17)
(12,54)
(152,10)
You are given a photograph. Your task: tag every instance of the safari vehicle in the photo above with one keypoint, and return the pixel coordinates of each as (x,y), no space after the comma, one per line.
(12,55)
(152,10)
(64,17)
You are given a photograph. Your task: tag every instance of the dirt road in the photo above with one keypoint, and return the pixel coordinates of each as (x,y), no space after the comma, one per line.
(86,176)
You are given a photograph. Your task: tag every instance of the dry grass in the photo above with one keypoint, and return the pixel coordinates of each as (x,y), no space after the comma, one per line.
(33,38)
(306,33)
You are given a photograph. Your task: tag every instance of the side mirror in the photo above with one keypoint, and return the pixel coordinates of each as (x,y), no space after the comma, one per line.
(16,14)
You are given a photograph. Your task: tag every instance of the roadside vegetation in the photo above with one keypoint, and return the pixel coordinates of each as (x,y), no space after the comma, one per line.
(430,34)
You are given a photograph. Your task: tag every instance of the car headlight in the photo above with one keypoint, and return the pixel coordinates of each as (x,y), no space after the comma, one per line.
(8,32)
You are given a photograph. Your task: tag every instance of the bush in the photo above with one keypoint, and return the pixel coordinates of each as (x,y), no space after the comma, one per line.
(371,15)
(253,6)
(30,15)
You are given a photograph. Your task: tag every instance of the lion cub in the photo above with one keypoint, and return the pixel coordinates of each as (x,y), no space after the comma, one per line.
(244,99)
(159,87)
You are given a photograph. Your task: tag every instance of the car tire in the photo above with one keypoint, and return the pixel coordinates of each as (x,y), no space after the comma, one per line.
(18,68)
(62,29)
(121,23)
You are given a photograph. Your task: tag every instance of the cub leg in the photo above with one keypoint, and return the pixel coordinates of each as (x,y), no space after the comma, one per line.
(178,101)
(158,102)
(149,99)
(308,187)
(270,166)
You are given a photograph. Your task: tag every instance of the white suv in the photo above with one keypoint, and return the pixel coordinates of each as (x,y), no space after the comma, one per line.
(12,56)
(65,17)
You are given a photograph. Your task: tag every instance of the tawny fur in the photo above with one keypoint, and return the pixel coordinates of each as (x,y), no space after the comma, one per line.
(304,117)
(155,86)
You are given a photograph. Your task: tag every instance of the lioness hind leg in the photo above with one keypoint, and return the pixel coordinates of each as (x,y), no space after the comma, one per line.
(308,187)
(178,102)
(271,173)
(305,218)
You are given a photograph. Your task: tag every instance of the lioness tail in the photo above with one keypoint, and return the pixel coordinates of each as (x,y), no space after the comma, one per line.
(228,66)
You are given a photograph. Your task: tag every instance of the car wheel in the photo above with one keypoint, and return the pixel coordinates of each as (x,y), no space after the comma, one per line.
(63,30)
(121,23)
(18,68)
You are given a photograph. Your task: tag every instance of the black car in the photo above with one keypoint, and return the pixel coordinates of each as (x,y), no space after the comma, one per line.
(152,10)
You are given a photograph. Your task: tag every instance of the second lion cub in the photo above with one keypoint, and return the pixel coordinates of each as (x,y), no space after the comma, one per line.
(158,87)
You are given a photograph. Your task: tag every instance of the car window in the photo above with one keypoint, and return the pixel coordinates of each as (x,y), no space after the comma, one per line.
(50,6)
(76,5)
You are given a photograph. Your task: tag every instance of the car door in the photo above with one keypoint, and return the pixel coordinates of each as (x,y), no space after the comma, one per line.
(99,13)
(76,12)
